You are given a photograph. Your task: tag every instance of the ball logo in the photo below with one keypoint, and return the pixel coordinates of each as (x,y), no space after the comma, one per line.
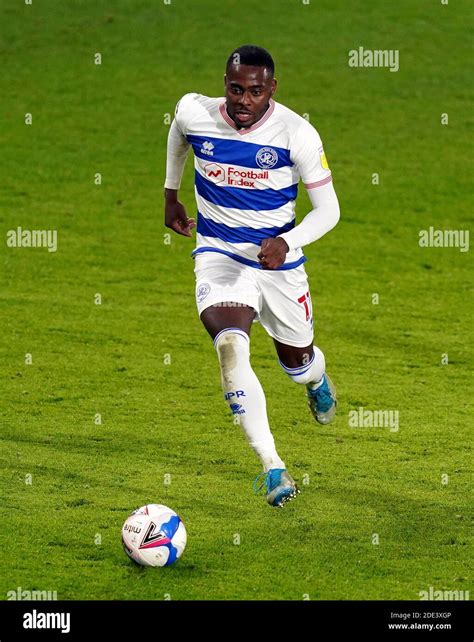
(266,157)
(202,292)
(153,537)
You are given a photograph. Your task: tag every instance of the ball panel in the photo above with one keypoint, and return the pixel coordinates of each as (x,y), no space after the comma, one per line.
(154,556)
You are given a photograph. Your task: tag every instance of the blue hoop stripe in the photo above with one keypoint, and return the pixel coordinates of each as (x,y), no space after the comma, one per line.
(235,330)
(249,262)
(208,227)
(236,152)
(294,372)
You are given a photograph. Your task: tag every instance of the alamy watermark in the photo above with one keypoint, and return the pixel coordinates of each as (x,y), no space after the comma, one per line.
(432,594)
(361,57)
(227,296)
(33,238)
(39,620)
(23,594)
(364,418)
(444,238)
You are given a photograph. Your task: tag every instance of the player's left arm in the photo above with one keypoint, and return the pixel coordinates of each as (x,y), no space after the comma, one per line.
(309,157)
(320,220)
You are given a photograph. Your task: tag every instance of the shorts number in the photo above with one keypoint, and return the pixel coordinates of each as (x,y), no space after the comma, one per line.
(305,300)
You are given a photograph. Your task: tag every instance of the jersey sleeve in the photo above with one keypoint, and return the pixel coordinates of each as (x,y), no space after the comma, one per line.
(178,146)
(308,155)
(184,112)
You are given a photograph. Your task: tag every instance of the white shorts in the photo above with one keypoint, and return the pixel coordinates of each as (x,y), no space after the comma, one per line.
(280,298)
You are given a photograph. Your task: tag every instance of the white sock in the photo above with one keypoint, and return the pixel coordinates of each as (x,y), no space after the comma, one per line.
(310,373)
(245,395)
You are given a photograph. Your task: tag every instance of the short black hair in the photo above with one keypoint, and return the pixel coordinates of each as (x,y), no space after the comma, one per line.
(253,56)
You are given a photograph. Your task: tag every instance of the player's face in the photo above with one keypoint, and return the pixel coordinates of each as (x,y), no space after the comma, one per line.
(248,91)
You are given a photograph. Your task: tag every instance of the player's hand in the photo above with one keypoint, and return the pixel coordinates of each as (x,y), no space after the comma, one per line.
(177,219)
(272,253)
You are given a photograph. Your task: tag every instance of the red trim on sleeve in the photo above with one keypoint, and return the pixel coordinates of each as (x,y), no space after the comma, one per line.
(328,179)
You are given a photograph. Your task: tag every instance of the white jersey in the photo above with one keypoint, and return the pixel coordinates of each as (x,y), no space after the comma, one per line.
(246,180)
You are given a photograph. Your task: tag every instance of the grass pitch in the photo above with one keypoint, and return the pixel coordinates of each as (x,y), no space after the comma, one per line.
(383,514)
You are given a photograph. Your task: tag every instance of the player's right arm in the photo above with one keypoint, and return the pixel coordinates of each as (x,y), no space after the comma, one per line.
(177,151)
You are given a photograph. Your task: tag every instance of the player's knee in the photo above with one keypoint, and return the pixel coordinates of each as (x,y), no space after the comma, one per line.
(232,346)
(312,370)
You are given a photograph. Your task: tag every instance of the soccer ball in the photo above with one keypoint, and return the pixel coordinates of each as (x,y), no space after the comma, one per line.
(154,535)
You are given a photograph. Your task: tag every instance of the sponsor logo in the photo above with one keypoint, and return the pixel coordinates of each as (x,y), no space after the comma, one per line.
(202,292)
(132,529)
(237,409)
(266,157)
(207,148)
(323,159)
(215,172)
(244,178)
(233,176)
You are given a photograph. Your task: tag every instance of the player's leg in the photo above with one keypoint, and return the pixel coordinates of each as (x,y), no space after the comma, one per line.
(287,316)
(227,314)
(307,366)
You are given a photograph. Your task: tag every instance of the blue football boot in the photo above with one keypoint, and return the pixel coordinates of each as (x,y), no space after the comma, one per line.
(280,487)
(322,401)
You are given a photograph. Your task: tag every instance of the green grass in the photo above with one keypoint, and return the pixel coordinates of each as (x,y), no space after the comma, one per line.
(160,419)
